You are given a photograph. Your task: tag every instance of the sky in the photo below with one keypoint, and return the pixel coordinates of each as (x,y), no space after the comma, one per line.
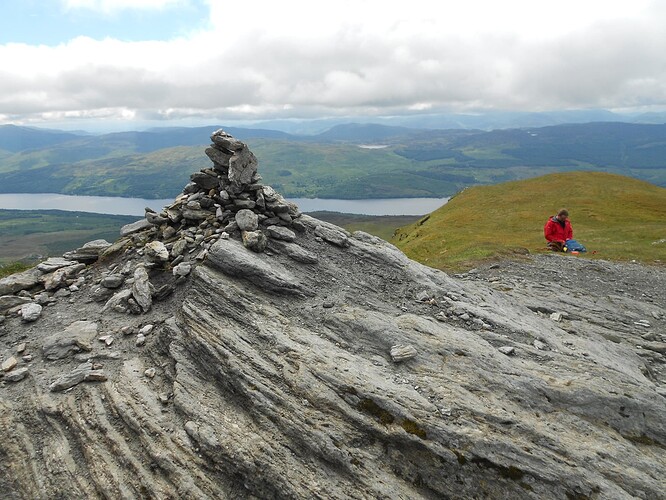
(187,61)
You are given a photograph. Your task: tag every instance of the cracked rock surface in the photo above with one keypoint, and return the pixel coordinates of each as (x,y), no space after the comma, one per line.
(325,365)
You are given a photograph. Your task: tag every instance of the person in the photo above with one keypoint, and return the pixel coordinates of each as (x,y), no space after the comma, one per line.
(558,230)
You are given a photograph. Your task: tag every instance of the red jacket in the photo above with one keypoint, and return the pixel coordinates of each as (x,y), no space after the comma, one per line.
(555,231)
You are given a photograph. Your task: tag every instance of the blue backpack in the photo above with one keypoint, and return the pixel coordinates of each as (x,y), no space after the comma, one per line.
(574,246)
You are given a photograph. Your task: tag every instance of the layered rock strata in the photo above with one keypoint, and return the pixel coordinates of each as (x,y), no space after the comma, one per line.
(230,347)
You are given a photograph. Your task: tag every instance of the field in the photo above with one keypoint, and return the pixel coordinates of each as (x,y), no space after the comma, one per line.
(615,217)
(31,235)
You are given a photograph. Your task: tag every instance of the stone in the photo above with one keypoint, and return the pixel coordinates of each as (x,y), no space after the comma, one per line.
(20,349)
(280,233)
(140,340)
(402,352)
(196,215)
(135,227)
(507,349)
(182,269)
(205,180)
(17,375)
(30,312)
(219,158)
(338,237)
(95,376)
(118,299)
(54,263)
(156,219)
(178,248)
(9,364)
(72,378)
(242,167)
(229,257)
(244,204)
(294,251)
(163,292)
(89,252)
(150,372)
(254,240)
(540,345)
(8,302)
(141,289)
(77,337)
(556,316)
(25,280)
(247,220)
(155,251)
(146,329)
(169,232)
(112,281)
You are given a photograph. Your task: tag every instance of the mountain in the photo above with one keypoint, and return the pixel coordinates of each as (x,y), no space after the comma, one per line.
(614,216)
(249,351)
(336,164)
(14,138)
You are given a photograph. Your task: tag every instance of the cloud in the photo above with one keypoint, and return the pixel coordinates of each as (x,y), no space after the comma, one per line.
(112,6)
(261,59)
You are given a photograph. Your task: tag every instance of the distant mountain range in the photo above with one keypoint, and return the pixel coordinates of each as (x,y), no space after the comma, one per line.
(335,163)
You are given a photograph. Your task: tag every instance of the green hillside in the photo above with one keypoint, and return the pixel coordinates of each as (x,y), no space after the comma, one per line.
(617,217)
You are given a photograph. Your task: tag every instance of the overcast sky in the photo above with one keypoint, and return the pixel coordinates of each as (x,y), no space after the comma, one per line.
(215,60)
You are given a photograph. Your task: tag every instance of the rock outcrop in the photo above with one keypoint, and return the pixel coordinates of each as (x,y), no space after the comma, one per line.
(231,347)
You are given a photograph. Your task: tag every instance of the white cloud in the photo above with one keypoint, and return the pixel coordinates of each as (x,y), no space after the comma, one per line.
(110,6)
(305,58)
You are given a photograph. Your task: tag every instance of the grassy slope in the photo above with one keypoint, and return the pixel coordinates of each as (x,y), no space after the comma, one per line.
(616,216)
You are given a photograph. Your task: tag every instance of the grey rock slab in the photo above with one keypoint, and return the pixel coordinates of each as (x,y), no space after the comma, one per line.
(280,233)
(8,302)
(233,259)
(77,337)
(242,167)
(247,220)
(75,377)
(205,180)
(220,158)
(89,252)
(294,251)
(135,227)
(335,236)
(112,281)
(226,141)
(25,280)
(141,289)
(30,312)
(53,263)
(196,215)
(507,349)
(17,375)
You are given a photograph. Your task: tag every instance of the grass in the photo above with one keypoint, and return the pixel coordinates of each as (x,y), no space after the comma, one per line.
(13,267)
(29,235)
(615,217)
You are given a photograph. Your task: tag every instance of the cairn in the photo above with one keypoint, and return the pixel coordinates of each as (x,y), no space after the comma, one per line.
(219,202)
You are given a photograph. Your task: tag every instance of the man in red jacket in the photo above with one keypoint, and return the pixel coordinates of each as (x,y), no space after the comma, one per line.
(558,230)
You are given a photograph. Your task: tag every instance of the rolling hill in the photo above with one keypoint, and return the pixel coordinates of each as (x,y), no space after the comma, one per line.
(332,164)
(617,217)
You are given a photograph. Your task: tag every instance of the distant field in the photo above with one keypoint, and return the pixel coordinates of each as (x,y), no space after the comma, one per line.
(615,217)
(29,235)
(382,226)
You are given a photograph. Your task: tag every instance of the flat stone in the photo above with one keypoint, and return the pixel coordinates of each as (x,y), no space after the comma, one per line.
(8,302)
(338,237)
(178,248)
(89,252)
(112,281)
(556,316)
(53,263)
(16,375)
(140,340)
(30,312)
(195,214)
(135,227)
(25,280)
(9,364)
(75,338)
(280,233)
(205,180)
(507,349)
(72,378)
(232,259)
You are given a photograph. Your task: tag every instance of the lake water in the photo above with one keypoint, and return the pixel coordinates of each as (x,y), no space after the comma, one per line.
(136,206)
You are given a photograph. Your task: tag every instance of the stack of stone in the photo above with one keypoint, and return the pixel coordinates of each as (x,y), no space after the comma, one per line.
(218,202)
